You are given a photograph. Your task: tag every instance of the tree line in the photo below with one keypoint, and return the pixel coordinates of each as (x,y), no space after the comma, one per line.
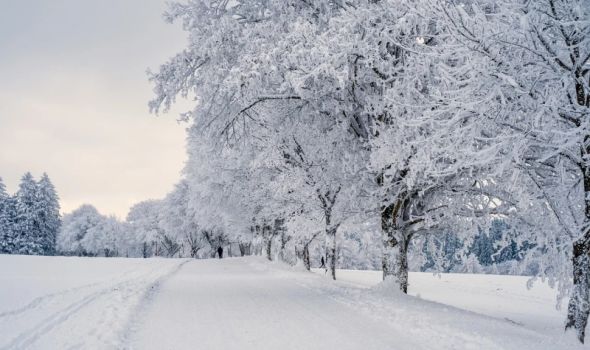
(407,119)
(166,228)
(29,219)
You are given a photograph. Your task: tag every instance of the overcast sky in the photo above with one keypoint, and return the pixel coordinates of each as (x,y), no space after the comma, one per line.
(73,100)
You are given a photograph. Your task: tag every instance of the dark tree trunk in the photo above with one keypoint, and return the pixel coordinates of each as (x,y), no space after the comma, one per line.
(258,237)
(306,259)
(331,249)
(328,200)
(269,248)
(244,248)
(395,259)
(579,305)
(284,240)
(395,248)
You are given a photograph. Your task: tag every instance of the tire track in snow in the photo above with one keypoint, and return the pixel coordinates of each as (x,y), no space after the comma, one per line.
(30,336)
(40,300)
(131,285)
(141,309)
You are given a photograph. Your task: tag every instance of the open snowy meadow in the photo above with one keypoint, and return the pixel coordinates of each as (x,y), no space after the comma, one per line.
(250,303)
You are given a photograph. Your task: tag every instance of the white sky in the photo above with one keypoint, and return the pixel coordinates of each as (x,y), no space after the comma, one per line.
(73,100)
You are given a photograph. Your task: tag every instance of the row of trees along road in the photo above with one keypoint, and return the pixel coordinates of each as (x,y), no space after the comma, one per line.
(414,116)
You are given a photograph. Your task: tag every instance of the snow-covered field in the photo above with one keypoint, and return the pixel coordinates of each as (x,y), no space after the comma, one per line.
(73,303)
(248,303)
(503,297)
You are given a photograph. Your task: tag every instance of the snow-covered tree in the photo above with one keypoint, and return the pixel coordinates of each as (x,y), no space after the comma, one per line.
(29,238)
(178,223)
(75,226)
(328,163)
(144,220)
(107,238)
(30,220)
(434,117)
(441,252)
(48,212)
(428,153)
(219,199)
(6,220)
(258,111)
(86,232)
(536,55)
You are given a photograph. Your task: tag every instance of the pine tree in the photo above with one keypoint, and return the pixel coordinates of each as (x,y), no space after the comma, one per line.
(5,220)
(441,253)
(483,246)
(10,219)
(489,249)
(3,193)
(28,230)
(48,214)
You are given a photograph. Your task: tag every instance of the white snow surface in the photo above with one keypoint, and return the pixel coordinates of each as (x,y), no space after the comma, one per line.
(73,303)
(249,303)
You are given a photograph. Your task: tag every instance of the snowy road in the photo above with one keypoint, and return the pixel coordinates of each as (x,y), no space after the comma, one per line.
(233,305)
(249,303)
(252,304)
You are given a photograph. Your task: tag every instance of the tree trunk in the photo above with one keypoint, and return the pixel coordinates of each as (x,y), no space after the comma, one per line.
(244,248)
(282,250)
(306,260)
(269,248)
(331,250)
(395,258)
(395,249)
(579,304)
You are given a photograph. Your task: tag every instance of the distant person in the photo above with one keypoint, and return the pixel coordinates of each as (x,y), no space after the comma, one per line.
(323,263)
(220,252)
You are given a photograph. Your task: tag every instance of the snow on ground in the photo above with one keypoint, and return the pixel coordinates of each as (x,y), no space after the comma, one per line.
(73,303)
(504,297)
(236,304)
(248,303)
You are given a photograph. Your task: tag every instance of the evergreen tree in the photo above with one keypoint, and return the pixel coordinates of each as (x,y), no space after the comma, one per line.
(5,220)
(28,226)
(48,214)
(441,254)
(483,246)
(3,193)
(489,249)
(9,216)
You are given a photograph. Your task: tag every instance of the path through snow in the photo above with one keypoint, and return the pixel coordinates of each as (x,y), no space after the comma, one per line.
(252,304)
(232,304)
(247,303)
